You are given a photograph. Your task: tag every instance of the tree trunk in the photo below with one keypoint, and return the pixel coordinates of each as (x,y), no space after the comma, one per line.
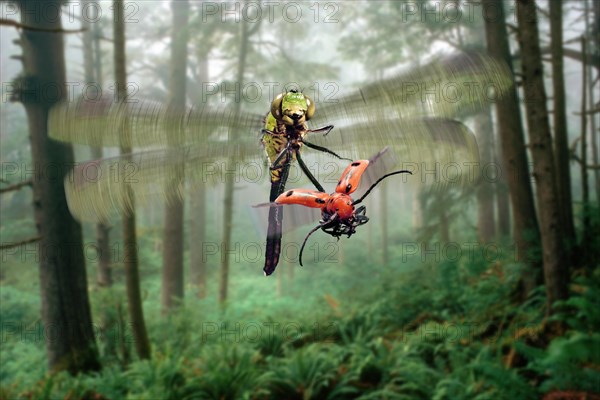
(172,272)
(585,191)
(91,64)
(444,226)
(130,254)
(417,210)
(485,189)
(384,212)
(198,237)
(594,36)
(502,200)
(555,268)
(229,181)
(514,157)
(66,315)
(501,190)
(198,221)
(226,242)
(561,145)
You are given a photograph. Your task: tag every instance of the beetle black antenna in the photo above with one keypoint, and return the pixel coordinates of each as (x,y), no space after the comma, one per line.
(376,182)
(313,230)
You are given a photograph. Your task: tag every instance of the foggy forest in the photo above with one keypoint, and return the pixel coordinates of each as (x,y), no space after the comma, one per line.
(300,199)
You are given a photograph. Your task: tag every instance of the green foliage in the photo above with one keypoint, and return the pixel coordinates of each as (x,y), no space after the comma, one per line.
(582,312)
(225,371)
(313,372)
(436,331)
(572,363)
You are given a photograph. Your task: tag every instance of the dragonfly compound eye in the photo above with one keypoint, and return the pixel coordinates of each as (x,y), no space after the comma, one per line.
(310,110)
(276,106)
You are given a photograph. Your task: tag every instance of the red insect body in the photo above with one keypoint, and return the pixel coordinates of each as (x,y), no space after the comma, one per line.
(303,197)
(351,176)
(338,213)
(339,203)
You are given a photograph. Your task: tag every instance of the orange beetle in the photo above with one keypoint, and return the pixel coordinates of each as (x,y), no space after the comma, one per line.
(338,214)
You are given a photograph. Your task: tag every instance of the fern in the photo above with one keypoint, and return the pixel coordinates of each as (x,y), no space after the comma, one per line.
(313,372)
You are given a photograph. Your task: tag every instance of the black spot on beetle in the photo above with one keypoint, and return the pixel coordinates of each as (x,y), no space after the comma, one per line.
(320,201)
(348,187)
(288,194)
(355,164)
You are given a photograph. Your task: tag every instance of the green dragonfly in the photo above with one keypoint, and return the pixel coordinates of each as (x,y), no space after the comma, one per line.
(411,112)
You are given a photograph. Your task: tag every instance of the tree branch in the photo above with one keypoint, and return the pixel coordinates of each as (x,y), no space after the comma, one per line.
(8,245)
(589,112)
(588,166)
(16,186)
(18,25)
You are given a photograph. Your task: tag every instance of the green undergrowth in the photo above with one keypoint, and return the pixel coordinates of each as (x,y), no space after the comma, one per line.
(445,330)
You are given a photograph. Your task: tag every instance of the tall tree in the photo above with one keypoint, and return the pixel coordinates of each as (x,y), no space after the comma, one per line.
(92,75)
(585,190)
(502,196)
(63,282)
(130,255)
(593,32)
(544,167)
(485,188)
(561,145)
(198,211)
(229,179)
(514,157)
(172,272)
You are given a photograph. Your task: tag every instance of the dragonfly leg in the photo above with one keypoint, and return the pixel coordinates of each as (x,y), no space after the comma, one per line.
(325,129)
(308,173)
(324,150)
(283,153)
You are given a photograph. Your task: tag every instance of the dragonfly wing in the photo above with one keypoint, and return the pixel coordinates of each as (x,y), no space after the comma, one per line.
(150,124)
(98,190)
(445,87)
(440,151)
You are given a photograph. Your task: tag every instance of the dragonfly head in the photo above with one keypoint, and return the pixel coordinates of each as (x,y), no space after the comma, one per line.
(292,108)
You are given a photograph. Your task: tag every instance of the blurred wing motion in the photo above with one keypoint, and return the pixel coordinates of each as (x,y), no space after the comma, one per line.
(411,111)
(97,190)
(445,87)
(439,151)
(151,124)
(408,112)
